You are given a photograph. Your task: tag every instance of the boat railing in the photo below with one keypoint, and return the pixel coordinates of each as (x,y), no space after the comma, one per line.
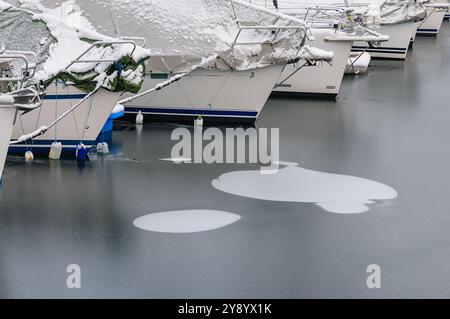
(141,40)
(25,98)
(28,60)
(97,44)
(276,29)
(242,26)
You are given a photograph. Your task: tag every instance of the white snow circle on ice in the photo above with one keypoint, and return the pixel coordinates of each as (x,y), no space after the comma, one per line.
(186,221)
(335,193)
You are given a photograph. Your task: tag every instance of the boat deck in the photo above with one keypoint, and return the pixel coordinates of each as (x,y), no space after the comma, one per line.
(390,126)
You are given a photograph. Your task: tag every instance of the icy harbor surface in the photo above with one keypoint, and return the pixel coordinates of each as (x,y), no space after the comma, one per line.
(335,193)
(283,249)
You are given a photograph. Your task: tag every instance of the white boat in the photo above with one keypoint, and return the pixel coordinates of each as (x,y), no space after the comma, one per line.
(7,114)
(238,83)
(335,35)
(13,96)
(396,19)
(322,79)
(398,45)
(76,116)
(207,27)
(436,12)
(208,93)
(83,125)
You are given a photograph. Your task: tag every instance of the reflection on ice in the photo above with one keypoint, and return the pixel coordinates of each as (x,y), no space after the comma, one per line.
(177,160)
(186,221)
(335,193)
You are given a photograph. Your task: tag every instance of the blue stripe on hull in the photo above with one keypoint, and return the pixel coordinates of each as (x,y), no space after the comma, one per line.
(65,97)
(380,50)
(427,31)
(191,112)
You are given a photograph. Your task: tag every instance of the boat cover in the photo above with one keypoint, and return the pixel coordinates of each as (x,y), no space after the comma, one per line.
(48,37)
(189,30)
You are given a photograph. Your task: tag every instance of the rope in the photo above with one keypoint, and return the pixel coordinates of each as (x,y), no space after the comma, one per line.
(56,108)
(23,131)
(185,95)
(219,89)
(170,81)
(91,101)
(291,75)
(37,124)
(73,115)
(152,97)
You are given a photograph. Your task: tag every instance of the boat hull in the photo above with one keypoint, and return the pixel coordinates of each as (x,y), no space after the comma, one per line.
(209,94)
(414,34)
(84,124)
(323,80)
(6,124)
(397,46)
(433,23)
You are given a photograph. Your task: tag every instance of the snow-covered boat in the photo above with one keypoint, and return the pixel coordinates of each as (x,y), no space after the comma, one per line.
(394,18)
(238,82)
(83,73)
(436,11)
(205,92)
(335,34)
(252,45)
(7,114)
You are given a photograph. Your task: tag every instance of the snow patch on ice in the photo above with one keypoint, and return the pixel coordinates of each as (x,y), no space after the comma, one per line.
(335,193)
(177,160)
(186,221)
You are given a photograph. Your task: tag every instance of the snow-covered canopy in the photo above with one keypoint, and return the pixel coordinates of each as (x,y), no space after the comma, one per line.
(61,35)
(199,28)
(366,11)
(188,30)
(191,27)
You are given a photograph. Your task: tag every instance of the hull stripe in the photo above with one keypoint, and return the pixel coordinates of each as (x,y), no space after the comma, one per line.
(385,49)
(65,97)
(428,30)
(380,51)
(191,112)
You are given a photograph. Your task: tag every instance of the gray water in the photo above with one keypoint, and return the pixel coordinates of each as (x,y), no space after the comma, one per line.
(391,126)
